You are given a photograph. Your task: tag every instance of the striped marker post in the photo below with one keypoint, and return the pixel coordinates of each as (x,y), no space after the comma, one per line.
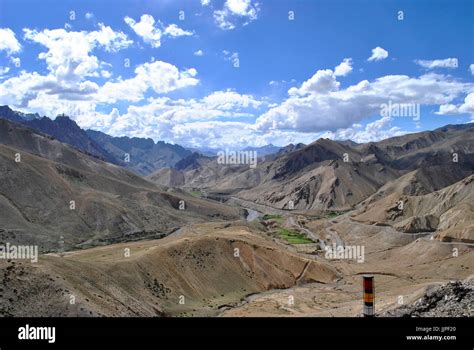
(369,296)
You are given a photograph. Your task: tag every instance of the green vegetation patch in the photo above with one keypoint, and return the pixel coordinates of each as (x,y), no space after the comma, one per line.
(293,237)
(277,218)
(196,193)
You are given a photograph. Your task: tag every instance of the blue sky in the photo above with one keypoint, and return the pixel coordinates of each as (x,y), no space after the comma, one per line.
(240,72)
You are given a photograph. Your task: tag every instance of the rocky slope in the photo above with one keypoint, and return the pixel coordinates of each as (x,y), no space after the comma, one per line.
(192,273)
(449,212)
(142,156)
(54,190)
(145,156)
(454,299)
(63,129)
(331,175)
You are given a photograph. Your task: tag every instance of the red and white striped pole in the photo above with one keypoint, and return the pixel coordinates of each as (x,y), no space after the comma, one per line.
(369,295)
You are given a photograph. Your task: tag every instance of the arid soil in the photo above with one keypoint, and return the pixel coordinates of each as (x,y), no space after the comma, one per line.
(197,271)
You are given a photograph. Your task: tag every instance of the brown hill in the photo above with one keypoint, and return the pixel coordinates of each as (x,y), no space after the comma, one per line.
(110,203)
(193,272)
(339,175)
(449,212)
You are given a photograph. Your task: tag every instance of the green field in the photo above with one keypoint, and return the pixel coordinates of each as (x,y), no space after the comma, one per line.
(334,214)
(293,237)
(277,218)
(196,193)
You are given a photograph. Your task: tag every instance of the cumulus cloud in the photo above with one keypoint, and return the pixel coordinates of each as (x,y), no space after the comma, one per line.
(378,54)
(230,100)
(471,68)
(159,76)
(198,53)
(70,62)
(152,32)
(68,56)
(319,104)
(467,107)
(185,121)
(444,63)
(105,74)
(174,31)
(374,131)
(8,41)
(205,2)
(323,82)
(146,29)
(344,68)
(16,61)
(3,71)
(234,11)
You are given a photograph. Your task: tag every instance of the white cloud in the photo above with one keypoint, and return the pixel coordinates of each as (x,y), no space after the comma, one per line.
(323,82)
(112,41)
(205,2)
(146,29)
(3,71)
(89,15)
(230,56)
(174,31)
(242,8)
(230,100)
(319,104)
(448,108)
(220,17)
(151,33)
(105,74)
(33,92)
(471,68)
(8,41)
(16,61)
(344,68)
(235,10)
(198,53)
(68,56)
(378,54)
(70,62)
(161,77)
(444,63)
(186,121)
(375,131)
(467,107)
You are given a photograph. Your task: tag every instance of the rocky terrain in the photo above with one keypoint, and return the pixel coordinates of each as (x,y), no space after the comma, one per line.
(199,238)
(333,175)
(455,299)
(194,272)
(54,191)
(449,212)
(140,155)
(144,155)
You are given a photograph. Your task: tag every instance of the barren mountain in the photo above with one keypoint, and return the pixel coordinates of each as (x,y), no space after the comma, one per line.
(333,175)
(54,190)
(449,212)
(63,129)
(191,273)
(144,155)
